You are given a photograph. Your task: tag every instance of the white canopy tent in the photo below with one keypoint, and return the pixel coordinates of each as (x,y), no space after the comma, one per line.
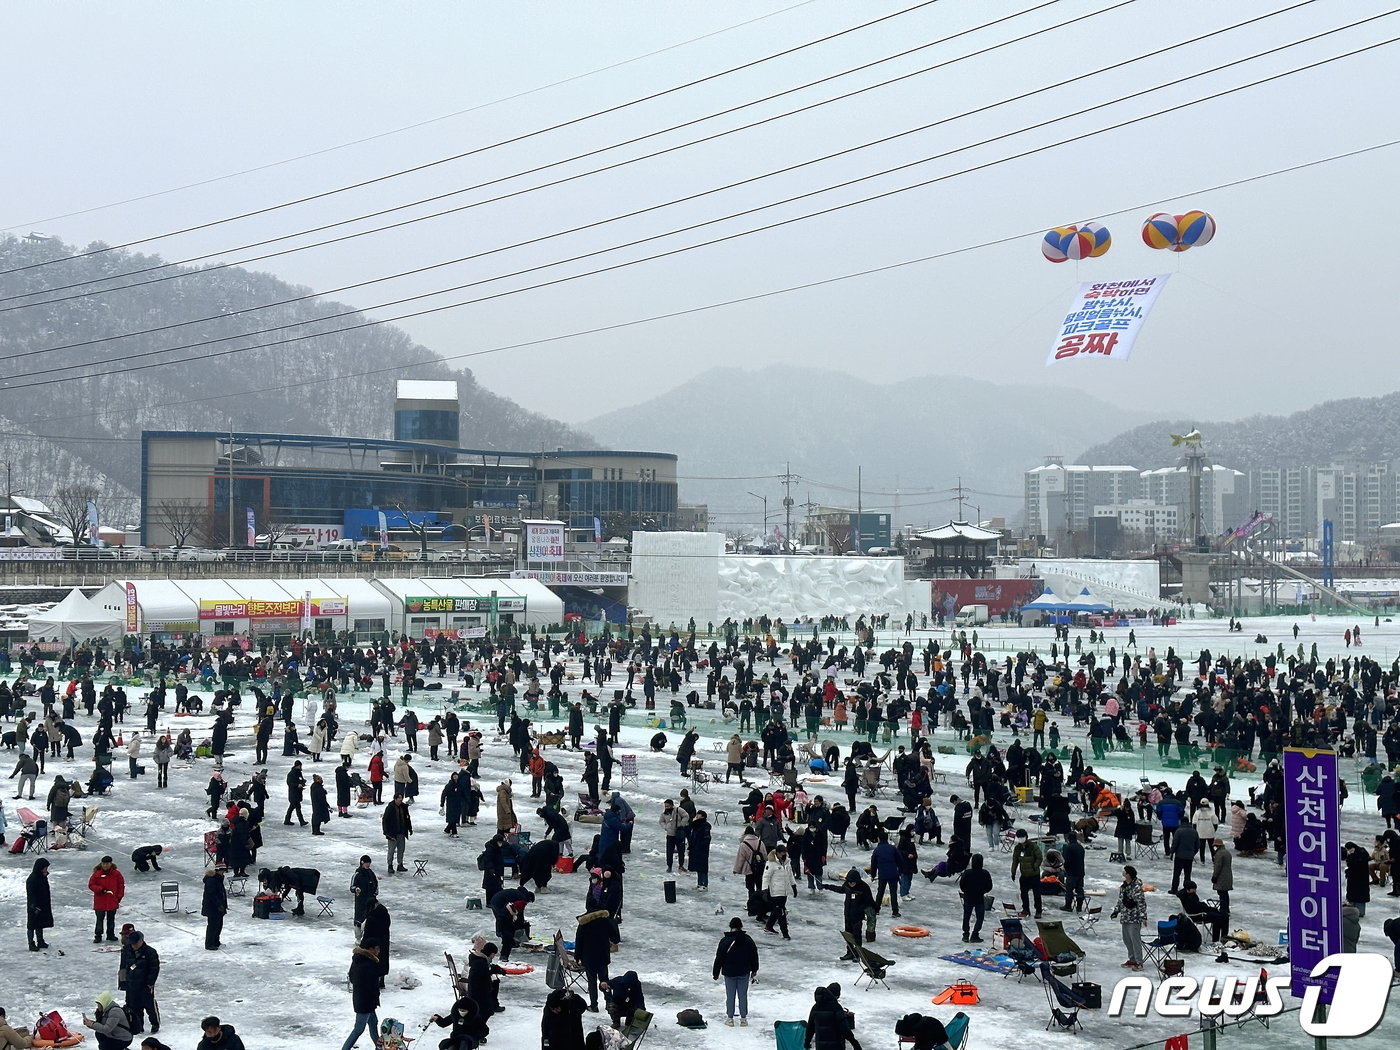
(76,619)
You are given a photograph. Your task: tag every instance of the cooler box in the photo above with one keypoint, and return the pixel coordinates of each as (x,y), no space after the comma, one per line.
(1091,993)
(264,905)
(564,865)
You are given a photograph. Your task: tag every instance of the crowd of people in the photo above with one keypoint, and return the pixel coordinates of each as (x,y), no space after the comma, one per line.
(861,719)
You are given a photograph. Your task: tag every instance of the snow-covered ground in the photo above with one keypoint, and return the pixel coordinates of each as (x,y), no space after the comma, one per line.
(281,983)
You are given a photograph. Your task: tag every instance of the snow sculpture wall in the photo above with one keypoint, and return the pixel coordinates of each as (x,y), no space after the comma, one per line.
(675,575)
(752,585)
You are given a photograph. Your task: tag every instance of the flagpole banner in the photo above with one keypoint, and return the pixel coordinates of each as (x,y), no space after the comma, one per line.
(133,610)
(1312,828)
(1105,318)
(252,527)
(383,531)
(92,522)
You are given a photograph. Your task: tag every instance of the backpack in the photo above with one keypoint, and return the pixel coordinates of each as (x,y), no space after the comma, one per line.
(50,1026)
(481,861)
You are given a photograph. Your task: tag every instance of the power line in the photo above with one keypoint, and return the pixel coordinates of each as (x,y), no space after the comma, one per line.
(541,186)
(321,195)
(717,240)
(804,286)
(407,127)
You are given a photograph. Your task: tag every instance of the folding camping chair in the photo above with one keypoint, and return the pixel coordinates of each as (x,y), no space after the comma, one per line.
(89,818)
(36,837)
(1089,920)
(211,847)
(699,779)
(1058,945)
(569,967)
(629,770)
(1022,952)
(635,1030)
(169,896)
(789,1035)
(873,966)
(955,1032)
(459,982)
(1064,1003)
(871,781)
(1162,947)
(1145,845)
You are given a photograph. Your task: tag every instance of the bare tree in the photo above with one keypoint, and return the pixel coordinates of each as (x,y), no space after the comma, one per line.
(418,528)
(180,519)
(840,536)
(738,537)
(72,509)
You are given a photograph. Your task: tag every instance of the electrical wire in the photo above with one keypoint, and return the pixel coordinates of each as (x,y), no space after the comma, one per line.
(688,311)
(597,223)
(407,127)
(203,271)
(323,194)
(717,240)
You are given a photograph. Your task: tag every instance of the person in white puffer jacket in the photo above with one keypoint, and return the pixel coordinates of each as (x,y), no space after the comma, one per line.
(778,885)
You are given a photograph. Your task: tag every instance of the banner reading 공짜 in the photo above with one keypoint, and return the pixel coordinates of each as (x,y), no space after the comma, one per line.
(1105,318)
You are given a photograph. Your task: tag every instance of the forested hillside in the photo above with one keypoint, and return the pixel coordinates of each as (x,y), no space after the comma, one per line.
(86,427)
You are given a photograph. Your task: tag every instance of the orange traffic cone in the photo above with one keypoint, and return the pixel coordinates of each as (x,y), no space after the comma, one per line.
(119,738)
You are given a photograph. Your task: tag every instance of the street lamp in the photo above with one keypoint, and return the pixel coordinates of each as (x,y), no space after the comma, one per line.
(756,496)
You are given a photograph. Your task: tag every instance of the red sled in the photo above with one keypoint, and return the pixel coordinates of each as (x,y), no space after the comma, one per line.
(564,865)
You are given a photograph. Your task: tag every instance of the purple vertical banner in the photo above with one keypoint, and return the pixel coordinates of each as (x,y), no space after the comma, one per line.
(1312,827)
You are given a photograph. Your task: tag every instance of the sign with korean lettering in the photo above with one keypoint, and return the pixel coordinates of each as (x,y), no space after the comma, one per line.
(133,609)
(1105,318)
(544,540)
(442,604)
(1312,827)
(250,609)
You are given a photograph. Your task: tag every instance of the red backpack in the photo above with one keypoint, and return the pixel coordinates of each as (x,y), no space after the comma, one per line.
(50,1026)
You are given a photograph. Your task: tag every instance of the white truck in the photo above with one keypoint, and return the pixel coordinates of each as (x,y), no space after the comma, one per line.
(972,616)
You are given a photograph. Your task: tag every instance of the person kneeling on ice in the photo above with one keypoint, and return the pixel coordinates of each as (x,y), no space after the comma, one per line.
(468,1028)
(109,1023)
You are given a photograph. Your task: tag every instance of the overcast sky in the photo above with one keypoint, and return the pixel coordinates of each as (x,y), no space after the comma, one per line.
(1288,306)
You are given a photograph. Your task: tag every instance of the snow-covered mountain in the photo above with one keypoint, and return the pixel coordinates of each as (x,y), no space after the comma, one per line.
(915,433)
(1357,428)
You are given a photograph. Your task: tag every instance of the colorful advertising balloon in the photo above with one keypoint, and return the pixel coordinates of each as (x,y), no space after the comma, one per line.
(1088,240)
(1178,233)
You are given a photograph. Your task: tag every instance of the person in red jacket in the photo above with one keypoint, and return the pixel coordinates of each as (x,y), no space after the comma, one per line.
(108,888)
(376,776)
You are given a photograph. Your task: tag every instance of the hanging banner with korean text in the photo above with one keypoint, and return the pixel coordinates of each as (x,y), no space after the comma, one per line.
(1105,318)
(1313,855)
(133,609)
(544,540)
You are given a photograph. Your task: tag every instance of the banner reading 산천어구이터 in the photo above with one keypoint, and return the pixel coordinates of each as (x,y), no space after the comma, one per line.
(1105,317)
(1312,827)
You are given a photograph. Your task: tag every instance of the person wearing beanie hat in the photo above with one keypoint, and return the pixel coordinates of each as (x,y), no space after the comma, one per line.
(109,1023)
(108,887)
(364,887)
(142,973)
(213,906)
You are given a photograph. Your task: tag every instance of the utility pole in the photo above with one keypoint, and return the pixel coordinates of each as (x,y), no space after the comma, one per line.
(788,478)
(860,515)
(230,484)
(763,536)
(961,500)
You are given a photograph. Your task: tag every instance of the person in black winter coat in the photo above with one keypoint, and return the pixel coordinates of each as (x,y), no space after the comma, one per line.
(537,865)
(377,929)
(508,906)
(624,998)
(973,887)
(484,980)
(467,1023)
(561,1022)
(699,840)
(364,990)
(364,887)
(320,804)
(342,790)
(38,905)
(859,902)
(593,942)
(736,960)
(559,829)
(213,906)
(829,1025)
